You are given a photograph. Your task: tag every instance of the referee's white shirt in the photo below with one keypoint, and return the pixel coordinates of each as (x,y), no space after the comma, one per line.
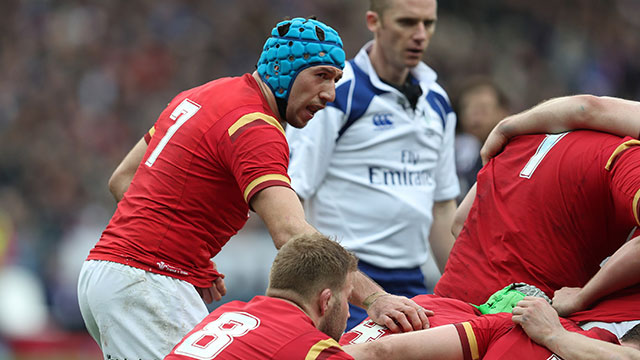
(374,186)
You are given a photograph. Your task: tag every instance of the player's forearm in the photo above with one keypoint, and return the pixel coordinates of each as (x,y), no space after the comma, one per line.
(118,186)
(286,229)
(574,346)
(441,343)
(121,178)
(363,288)
(620,271)
(282,213)
(440,238)
(462,211)
(613,115)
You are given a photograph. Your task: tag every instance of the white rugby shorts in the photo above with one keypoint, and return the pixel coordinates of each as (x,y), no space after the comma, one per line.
(135,314)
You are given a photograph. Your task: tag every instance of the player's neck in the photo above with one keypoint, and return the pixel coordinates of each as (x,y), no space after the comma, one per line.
(268,95)
(294,299)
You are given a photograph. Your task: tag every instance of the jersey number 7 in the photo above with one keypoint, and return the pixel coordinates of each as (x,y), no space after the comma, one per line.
(183,112)
(545,146)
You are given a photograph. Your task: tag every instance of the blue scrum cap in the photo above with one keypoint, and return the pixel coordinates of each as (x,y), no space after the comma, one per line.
(295,45)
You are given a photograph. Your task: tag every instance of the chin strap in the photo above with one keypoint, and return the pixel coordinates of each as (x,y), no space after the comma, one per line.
(282,108)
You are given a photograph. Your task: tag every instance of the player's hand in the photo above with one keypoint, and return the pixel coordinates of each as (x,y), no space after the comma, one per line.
(399,313)
(537,318)
(216,291)
(495,142)
(567,300)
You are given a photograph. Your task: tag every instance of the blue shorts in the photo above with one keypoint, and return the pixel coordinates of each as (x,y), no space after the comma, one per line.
(405,282)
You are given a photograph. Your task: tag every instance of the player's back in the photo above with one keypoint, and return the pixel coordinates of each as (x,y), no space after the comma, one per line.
(547,212)
(264,328)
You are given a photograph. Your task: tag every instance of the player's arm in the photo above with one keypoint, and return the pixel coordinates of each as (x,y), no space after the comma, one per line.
(282,213)
(463,211)
(123,174)
(442,343)
(216,291)
(397,313)
(440,236)
(540,321)
(620,271)
(608,114)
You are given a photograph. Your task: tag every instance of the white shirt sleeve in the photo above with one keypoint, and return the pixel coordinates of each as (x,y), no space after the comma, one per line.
(311,149)
(447,186)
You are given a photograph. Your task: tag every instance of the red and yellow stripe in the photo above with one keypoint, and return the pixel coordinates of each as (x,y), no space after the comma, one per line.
(323,350)
(468,340)
(149,134)
(250,120)
(263,182)
(621,148)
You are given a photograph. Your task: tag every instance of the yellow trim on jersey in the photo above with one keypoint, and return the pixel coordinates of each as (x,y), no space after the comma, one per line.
(622,147)
(152,131)
(262,179)
(254,116)
(473,343)
(635,206)
(319,347)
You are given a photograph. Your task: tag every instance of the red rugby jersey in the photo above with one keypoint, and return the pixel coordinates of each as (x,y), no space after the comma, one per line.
(620,306)
(264,328)
(214,147)
(548,210)
(496,336)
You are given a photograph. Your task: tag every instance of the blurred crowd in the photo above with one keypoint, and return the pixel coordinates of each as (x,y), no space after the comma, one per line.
(82,80)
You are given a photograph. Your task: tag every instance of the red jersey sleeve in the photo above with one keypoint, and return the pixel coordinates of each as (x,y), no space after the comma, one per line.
(477,334)
(257,153)
(149,134)
(312,346)
(624,165)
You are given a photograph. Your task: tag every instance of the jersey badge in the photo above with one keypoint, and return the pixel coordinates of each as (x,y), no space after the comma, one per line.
(383,121)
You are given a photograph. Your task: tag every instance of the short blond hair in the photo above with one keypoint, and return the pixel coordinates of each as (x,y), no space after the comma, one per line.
(379,6)
(309,263)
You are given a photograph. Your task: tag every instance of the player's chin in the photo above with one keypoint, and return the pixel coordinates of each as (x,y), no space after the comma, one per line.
(301,120)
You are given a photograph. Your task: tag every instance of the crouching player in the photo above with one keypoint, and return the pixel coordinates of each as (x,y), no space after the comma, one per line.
(302,316)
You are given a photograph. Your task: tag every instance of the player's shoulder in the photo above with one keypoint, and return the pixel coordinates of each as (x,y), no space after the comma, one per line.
(313,344)
(251,120)
(224,95)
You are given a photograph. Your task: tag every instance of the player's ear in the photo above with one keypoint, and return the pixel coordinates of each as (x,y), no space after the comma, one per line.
(373,20)
(323,301)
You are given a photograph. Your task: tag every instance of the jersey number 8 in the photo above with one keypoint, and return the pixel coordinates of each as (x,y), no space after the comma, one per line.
(208,342)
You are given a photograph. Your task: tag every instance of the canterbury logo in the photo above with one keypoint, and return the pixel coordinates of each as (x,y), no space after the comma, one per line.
(382,120)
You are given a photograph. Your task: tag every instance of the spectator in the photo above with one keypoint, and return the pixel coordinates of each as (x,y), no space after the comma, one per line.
(480,104)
